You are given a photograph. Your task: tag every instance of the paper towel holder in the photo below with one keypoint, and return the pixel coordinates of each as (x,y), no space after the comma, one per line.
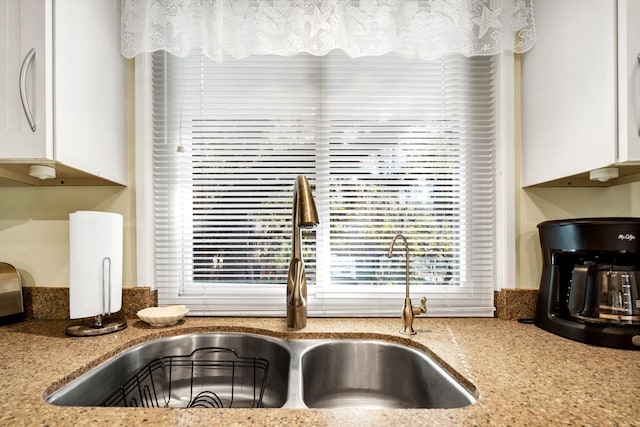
(98,326)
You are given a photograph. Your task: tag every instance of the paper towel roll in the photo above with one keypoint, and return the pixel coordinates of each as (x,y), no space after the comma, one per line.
(95,246)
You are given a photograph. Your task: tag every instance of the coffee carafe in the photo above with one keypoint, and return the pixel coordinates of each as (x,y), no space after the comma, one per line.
(605,293)
(590,284)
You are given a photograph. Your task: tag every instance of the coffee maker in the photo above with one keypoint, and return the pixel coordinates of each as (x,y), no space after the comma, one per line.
(590,285)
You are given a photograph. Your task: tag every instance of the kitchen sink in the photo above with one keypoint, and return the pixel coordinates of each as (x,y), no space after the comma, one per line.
(238,370)
(374,374)
(209,369)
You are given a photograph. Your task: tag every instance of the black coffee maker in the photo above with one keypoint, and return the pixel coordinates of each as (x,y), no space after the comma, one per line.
(590,285)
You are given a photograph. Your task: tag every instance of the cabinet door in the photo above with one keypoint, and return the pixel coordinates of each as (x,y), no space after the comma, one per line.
(90,89)
(629,80)
(26,25)
(569,84)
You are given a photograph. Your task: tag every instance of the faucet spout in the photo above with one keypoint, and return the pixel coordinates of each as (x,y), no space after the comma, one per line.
(408,310)
(305,215)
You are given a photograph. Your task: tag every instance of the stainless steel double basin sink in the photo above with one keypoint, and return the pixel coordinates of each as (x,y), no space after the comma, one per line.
(248,370)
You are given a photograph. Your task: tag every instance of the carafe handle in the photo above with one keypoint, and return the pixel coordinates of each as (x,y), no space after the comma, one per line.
(581,292)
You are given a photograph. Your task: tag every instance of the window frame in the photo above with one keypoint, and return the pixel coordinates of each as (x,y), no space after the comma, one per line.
(238,296)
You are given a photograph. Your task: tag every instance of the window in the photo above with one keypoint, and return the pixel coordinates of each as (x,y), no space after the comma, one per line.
(390,145)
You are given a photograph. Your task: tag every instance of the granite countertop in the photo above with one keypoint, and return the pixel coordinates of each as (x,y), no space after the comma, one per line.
(523,376)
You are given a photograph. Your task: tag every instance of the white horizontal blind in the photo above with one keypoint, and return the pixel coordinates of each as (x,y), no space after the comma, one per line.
(390,146)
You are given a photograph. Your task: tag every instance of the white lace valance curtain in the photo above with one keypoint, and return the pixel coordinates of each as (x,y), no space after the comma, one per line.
(416,28)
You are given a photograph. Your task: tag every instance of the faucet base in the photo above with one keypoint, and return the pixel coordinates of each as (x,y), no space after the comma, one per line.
(296,317)
(407,318)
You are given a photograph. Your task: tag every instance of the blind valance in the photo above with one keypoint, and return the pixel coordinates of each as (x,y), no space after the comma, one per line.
(413,28)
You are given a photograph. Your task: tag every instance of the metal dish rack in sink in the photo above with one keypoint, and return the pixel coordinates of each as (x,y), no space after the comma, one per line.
(208,377)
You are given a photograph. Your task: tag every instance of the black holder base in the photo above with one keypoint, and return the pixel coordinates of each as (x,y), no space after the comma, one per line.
(624,337)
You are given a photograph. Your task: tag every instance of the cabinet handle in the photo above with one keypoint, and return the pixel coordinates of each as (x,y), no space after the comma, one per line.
(23,88)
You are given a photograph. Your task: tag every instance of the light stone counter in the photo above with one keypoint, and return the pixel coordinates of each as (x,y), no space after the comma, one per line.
(523,375)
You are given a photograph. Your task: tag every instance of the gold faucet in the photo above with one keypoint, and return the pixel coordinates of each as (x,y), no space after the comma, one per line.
(305,215)
(408,311)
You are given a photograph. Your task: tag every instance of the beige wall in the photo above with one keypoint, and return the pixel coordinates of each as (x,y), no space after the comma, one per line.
(34,229)
(540,204)
(34,222)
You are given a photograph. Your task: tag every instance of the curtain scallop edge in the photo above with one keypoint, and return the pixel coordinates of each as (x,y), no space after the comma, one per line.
(290,27)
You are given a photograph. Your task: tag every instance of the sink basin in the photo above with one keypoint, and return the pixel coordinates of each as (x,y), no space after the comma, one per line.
(187,370)
(374,374)
(237,370)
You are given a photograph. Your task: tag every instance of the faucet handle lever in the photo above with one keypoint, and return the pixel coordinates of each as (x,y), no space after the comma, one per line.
(422,308)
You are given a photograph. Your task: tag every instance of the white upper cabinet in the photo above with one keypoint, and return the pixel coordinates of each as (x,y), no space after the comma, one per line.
(63,91)
(629,80)
(581,92)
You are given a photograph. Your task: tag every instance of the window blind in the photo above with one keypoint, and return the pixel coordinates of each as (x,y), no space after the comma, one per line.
(389,145)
